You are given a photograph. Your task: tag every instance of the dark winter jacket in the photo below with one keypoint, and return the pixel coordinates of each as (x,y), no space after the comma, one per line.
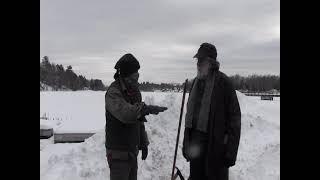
(224,126)
(125,128)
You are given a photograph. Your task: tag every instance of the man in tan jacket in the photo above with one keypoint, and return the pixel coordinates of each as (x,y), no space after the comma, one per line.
(125,117)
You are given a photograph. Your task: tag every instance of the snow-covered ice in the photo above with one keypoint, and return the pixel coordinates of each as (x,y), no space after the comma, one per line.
(259,150)
(79,111)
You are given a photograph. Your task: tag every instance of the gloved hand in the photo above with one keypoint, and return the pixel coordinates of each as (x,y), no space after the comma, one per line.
(144,151)
(156,109)
(152,109)
(228,162)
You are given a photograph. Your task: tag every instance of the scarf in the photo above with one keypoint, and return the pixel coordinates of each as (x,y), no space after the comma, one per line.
(203,116)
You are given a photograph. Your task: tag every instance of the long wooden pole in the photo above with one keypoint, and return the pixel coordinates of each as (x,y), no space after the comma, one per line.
(178,135)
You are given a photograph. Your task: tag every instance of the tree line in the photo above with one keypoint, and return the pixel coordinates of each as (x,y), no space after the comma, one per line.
(252,83)
(256,83)
(59,78)
(150,87)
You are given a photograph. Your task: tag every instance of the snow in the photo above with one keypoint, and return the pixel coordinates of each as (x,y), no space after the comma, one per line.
(45,125)
(79,111)
(49,124)
(259,150)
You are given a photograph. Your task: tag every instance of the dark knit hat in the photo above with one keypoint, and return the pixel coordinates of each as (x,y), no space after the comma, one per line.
(206,50)
(126,66)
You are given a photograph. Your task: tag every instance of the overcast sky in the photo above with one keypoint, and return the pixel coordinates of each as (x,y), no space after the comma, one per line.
(91,35)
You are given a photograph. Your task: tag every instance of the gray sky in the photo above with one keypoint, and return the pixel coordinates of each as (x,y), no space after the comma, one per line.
(91,35)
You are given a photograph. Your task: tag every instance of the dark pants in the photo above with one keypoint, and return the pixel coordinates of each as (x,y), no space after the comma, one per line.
(198,163)
(123,166)
(197,171)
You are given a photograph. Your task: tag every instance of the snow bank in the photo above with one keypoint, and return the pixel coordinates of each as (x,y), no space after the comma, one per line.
(258,158)
(75,161)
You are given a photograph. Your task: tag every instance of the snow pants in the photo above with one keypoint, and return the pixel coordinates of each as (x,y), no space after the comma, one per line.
(123,165)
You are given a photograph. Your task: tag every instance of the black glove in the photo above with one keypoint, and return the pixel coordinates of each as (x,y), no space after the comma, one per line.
(228,162)
(144,151)
(152,109)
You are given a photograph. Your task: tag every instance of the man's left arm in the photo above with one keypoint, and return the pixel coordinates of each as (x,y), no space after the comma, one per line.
(144,141)
(233,125)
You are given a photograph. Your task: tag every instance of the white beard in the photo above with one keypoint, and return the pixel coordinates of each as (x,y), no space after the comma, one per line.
(203,70)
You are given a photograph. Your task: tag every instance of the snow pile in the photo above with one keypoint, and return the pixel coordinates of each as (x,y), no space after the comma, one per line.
(45,142)
(258,157)
(44,124)
(77,161)
(259,149)
(162,132)
(50,124)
